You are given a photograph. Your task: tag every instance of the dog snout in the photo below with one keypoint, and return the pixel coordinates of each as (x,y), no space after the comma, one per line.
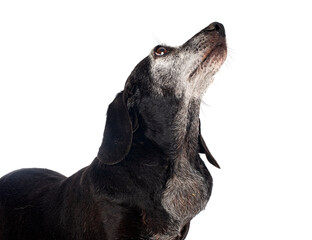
(218,27)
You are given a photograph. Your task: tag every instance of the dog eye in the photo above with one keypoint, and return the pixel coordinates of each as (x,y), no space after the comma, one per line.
(160,51)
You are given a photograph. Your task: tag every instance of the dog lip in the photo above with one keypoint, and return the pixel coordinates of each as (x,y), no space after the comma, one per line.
(207,56)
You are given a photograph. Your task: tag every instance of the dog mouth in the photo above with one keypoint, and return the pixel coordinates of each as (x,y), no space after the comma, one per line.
(215,55)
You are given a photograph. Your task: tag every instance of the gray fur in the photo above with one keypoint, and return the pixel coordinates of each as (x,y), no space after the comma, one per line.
(184,71)
(183,74)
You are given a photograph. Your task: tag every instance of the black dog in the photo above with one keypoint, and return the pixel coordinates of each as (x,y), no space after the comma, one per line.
(147,181)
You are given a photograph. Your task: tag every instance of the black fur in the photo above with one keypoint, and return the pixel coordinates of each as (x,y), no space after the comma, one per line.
(120,194)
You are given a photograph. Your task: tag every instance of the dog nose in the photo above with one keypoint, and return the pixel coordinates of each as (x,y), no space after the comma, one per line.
(215,26)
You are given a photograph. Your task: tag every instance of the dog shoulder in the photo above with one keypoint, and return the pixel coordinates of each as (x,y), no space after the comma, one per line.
(27,182)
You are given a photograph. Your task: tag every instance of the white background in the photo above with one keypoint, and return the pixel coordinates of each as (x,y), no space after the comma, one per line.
(62,62)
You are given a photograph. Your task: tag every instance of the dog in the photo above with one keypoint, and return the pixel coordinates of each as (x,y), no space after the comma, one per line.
(148,180)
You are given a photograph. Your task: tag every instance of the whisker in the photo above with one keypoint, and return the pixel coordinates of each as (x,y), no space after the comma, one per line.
(157,39)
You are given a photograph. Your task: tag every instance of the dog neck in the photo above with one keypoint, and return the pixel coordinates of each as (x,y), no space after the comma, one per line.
(171,123)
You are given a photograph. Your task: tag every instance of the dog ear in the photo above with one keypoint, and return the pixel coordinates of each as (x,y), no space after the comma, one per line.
(204,149)
(117,137)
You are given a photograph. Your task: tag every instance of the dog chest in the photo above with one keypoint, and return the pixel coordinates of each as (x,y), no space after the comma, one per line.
(186,194)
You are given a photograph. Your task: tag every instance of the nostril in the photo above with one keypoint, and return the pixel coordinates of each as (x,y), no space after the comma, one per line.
(215,26)
(211,27)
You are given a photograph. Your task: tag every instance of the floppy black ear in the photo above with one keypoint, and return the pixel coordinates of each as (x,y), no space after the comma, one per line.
(204,149)
(117,137)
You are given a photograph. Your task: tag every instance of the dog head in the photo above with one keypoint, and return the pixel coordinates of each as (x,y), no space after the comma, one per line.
(185,71)
(181,74)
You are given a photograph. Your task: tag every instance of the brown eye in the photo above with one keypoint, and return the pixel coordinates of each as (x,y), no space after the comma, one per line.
(160,51)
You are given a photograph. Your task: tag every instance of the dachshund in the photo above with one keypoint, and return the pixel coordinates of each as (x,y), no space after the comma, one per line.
(148,180)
